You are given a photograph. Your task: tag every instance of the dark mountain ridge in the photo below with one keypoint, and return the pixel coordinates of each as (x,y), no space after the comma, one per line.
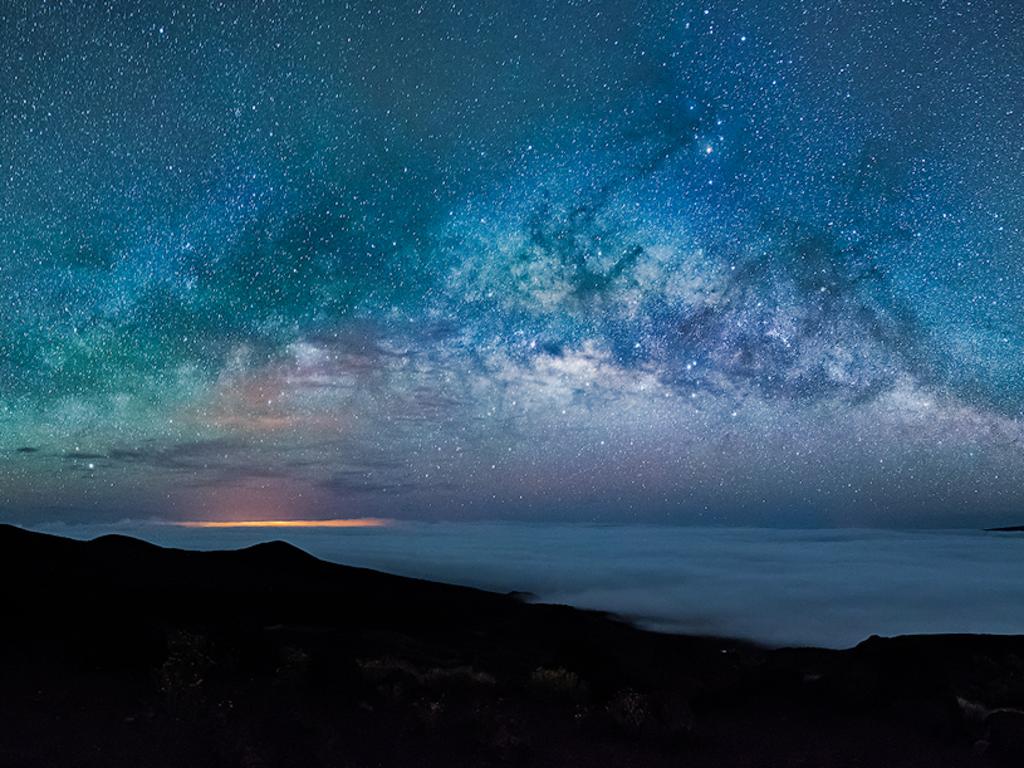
(119,652)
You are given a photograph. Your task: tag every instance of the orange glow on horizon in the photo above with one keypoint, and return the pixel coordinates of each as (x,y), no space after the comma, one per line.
(348,522)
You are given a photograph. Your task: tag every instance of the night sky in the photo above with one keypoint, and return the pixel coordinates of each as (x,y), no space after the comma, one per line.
(741,262)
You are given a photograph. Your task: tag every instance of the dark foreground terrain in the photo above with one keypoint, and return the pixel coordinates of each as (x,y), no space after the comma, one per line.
(120,653)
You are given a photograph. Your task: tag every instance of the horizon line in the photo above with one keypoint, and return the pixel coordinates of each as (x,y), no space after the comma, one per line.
(342,522)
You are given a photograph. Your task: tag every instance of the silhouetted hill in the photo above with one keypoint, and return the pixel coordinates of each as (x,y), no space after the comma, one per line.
(116,652)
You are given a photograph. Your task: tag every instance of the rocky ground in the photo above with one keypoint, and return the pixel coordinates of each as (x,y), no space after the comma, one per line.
(119,653)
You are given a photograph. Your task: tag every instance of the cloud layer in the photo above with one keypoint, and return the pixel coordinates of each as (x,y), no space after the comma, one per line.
(782,587)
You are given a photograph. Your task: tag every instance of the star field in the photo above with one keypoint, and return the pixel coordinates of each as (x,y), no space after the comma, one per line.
(749,262)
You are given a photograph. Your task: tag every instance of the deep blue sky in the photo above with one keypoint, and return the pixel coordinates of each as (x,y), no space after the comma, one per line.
(718,262)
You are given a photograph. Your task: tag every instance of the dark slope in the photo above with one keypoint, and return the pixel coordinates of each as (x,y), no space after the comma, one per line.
(117,652)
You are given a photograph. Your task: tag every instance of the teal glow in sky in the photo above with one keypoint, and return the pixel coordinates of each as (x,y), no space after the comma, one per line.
(749,262)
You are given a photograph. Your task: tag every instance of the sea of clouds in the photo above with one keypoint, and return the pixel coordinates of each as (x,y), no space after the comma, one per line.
(823,587)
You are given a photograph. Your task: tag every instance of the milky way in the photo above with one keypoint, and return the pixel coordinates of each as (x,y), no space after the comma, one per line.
(718,262)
